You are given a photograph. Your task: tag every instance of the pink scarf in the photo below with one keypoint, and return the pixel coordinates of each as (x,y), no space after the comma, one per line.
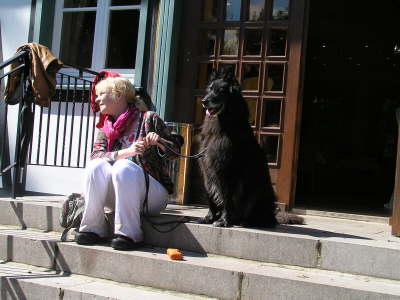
(114,130)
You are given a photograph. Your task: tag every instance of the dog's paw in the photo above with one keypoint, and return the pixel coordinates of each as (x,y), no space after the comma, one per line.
(204,221)
(222,223)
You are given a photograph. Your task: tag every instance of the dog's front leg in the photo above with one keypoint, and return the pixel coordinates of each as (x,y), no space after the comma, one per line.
(225,220)
(212,215)
(227,214)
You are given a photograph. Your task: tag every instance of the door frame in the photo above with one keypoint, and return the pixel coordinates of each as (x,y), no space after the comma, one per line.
(286,186)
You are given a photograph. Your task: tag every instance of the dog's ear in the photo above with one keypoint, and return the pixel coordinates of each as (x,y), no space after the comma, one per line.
(228,74)
(235,87)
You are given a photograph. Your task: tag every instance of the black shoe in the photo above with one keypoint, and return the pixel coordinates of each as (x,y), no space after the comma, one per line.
(87,238)
(124,243)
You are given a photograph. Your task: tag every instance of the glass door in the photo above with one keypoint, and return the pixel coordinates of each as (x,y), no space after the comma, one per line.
(260,41)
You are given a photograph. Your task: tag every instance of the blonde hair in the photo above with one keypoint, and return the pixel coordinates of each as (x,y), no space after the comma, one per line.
(120,85)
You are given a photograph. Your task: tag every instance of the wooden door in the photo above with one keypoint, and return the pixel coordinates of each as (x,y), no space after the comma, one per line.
(261,41)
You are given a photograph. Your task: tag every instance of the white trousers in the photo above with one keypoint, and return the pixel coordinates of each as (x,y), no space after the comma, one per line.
(121,188)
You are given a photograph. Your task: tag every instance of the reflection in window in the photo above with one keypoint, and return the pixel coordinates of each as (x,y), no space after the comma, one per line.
(232,12)
(274,78)
(270,145)
(77,30)
(199,111)
(253,40)
(251,74)
(231,42)
(79,3)
(204,73)
(208,40)
(210,10)
(280,10)
(277,42)
(252,105)
(256,10)
(121,52)
(271,113)
(227,67)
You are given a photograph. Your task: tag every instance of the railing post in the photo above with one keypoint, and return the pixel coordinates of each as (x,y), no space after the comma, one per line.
(4,145)
(18,186)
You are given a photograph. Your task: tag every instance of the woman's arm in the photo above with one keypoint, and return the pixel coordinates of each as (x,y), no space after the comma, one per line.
(100,146)
(159,134)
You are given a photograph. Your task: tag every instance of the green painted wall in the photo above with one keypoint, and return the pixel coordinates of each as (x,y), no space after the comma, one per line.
(165,57)
(44,15)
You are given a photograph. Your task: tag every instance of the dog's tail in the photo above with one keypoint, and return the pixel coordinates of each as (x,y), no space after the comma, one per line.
(287,218)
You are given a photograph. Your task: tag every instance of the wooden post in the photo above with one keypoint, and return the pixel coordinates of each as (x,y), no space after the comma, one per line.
(395,219)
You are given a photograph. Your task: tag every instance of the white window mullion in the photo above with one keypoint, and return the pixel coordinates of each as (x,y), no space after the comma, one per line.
(101,35)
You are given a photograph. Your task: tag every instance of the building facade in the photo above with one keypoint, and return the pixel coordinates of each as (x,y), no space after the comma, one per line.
(319,79)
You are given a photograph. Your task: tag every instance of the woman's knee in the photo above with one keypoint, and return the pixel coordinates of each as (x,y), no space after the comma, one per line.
(97,167)
(123,169)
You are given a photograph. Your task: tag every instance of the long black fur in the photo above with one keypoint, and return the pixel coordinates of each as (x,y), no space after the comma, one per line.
(234,167)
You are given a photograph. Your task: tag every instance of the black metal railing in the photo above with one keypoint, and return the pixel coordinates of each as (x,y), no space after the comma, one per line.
(18,163)
(63,132)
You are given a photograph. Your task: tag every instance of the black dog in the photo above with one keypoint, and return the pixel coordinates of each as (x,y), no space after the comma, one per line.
(234,167)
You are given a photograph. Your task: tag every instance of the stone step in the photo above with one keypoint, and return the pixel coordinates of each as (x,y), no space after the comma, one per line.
(21,281)
(200,274)
(355,247)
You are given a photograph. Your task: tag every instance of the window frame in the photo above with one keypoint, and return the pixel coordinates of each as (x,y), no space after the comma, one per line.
(100,39)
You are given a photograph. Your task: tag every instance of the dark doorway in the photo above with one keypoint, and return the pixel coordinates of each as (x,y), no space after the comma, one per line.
(351,93)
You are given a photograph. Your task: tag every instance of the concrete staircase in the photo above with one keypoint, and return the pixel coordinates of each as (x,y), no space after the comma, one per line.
(326,259)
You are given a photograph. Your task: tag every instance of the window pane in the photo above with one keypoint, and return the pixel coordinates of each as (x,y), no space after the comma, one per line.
(252,39)
(77,38)
(210,10)
(232,12)
(124,2)
(79,3)
(122,39)
(251,73)
(231,42)
(270,145)
(208,39)
(280,10)
(204,73)
(271,113)
(256,10)
(274,78)
(252,105)
(277,42)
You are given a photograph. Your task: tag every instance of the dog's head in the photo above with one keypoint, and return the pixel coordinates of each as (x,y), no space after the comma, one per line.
(222,90)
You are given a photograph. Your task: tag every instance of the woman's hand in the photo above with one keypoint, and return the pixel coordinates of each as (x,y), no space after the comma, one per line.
(136,148)
(152,139)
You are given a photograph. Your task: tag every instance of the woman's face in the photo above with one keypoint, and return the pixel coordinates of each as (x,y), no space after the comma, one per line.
(107,101)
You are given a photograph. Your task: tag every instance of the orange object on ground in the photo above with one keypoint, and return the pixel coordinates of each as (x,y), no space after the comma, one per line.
(174,254)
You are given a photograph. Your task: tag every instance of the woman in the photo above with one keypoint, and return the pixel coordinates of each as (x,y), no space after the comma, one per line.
(128,140)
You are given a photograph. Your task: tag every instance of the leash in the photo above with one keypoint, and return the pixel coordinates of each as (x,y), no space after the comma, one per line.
(194,156)
(145,209)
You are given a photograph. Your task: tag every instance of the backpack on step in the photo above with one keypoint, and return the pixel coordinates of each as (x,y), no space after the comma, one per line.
(71,213)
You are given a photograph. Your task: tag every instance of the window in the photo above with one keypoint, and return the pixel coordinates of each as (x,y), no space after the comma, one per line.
(97,34)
